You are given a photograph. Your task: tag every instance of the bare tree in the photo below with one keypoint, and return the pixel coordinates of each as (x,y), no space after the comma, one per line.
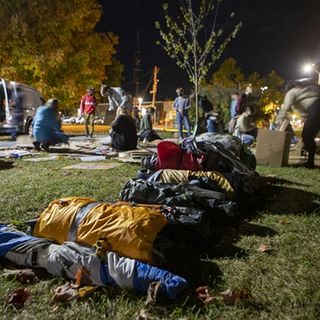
(194,39)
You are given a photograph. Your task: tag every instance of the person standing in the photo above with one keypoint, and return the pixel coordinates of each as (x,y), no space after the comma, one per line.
(305,98)
(233,104)
(242,101)
(88,106)
(118,99)
(182,105)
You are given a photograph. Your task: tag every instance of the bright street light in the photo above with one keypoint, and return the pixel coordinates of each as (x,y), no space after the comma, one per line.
(309,67)
(140,100)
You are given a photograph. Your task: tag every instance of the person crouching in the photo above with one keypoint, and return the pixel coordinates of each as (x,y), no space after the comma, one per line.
(46,126)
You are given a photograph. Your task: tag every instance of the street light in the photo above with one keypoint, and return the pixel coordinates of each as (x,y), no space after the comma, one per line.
(263,89)
(309,67)
(140,100)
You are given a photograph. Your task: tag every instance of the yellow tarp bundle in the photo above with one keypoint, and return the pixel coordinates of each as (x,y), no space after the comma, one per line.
(177,176)
(123,228)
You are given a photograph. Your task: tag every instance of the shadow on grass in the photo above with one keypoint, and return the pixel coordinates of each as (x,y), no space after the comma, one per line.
(88,151)
(302,165)
(4,165)
(276,180)
(279,199)
(195,262)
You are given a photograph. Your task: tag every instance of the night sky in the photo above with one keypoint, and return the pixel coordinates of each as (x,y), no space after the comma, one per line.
(277,35)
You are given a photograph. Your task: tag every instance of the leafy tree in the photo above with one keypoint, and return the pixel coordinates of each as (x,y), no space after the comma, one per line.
(194,40)
(220,98)
(114,74)
(271,95)
(227,79)
(51,44)
(265,99)
(229,75)
(255,81)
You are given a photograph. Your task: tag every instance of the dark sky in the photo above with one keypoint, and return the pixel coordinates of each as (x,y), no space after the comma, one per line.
(276,35)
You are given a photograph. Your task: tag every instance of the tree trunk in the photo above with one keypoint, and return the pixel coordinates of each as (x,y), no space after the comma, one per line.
(196,92)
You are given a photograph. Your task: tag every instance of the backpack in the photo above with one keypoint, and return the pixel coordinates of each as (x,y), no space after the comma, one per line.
(172,156)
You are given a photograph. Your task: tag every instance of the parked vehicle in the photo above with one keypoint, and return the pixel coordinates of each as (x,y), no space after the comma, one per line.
(31,99)
(80,120)
(72,120)
(98,120)
(68,120)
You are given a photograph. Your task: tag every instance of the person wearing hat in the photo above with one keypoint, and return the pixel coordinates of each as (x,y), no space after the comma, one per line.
(88,106)
(304,97)
(46,126)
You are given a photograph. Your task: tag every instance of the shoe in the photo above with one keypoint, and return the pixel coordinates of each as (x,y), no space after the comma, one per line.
(45,146)
(36,145)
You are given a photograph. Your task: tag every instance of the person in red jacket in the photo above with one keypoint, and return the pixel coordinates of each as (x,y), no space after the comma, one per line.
(87,108)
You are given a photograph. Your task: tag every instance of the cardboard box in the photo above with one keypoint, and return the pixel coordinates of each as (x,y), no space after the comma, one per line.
(273,147)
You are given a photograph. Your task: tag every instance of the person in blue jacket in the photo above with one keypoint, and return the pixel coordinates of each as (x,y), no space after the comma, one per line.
(46,126)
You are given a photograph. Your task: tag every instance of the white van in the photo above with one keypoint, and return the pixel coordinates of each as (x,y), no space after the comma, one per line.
(31,99)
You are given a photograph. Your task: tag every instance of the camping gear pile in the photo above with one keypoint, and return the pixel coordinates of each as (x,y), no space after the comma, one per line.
(69,258)
(192,187)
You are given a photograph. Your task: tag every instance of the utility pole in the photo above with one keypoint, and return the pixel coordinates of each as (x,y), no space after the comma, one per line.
(154,90)
(155,85)
(137,62)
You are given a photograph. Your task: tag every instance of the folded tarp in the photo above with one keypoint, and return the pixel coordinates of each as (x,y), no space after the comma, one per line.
(126,229)
(68,258)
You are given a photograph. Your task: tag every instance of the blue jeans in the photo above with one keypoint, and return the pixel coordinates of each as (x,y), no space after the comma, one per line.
(210,125)
(213,126)
(183,120)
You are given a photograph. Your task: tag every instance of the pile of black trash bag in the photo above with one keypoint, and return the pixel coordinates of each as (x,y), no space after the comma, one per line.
(202,181)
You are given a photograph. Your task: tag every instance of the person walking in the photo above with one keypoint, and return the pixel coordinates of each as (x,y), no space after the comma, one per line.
(305,98)
(88,106)
(182,105)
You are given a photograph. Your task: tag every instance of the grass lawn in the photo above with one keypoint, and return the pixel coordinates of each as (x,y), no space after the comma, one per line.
(283,281)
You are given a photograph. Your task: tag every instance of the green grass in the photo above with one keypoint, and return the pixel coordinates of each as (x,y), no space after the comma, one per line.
(284,283)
